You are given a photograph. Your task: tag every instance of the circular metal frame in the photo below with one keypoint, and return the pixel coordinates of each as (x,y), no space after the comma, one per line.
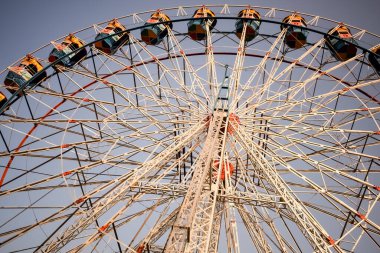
(125,142)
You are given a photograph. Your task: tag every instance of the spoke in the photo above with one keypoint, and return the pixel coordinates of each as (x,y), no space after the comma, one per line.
(311,228)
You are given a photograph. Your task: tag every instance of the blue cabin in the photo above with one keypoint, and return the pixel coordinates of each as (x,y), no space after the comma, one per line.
(70,44)
(155,33)
(253,26)
(112,41)
(19,75)
(296,35)
(197,28)
(344,46)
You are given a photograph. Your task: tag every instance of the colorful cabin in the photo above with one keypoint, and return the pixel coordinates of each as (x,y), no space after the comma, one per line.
(155,33)
(374,58)
(226,168)
(19,75)
(3,99)
(112,40)
(343,48)
(197,28)
(295,36)
(253,26)
(70,44)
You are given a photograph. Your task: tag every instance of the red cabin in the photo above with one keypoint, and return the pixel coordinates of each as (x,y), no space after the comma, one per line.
(226,168)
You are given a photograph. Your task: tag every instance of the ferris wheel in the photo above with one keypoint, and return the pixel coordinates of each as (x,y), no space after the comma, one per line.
(221,128)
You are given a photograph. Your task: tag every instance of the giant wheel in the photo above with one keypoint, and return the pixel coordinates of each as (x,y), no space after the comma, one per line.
(255,133)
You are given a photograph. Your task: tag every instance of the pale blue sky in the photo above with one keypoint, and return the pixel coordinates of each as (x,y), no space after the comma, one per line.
(27,25)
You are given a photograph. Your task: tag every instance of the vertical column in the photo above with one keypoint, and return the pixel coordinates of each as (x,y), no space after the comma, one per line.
(191,230)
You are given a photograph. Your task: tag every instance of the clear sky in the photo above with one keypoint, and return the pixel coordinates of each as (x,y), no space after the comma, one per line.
(27,25)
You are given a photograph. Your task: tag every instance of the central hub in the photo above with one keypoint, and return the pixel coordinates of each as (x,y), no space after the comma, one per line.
(232,124)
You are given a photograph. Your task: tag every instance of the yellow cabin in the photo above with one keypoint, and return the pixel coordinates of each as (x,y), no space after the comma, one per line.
(253,25)
(19,75)
(344,46)
(155,33)
(374,58)
(295,36)
(197,29)
(111,38)
(66,51)
(3,99)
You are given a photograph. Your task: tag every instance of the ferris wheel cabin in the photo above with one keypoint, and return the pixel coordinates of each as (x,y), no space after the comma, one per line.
(295,36)
(66,48)
(374,58)
(3,99)
(111,38)
(155,33)
(253,25)
(343,48)
(19,75)
(197,29)
(227,169)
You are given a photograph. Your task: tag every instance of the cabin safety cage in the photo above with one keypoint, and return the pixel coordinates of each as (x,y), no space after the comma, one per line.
(218,128)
